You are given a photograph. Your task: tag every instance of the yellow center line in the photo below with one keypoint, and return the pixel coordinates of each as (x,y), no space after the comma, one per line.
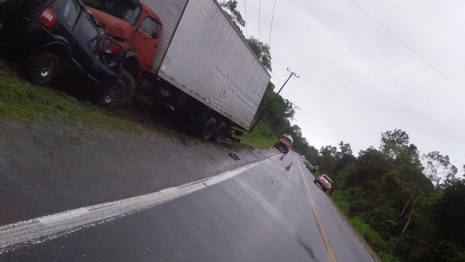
(324,236)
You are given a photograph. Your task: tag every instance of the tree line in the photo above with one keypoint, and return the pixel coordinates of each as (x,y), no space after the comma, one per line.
(412,204)
(409,207)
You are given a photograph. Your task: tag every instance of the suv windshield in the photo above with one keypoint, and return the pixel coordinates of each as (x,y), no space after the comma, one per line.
(327,179)
(122,9)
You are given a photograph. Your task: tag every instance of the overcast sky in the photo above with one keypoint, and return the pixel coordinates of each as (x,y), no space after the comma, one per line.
(357,80)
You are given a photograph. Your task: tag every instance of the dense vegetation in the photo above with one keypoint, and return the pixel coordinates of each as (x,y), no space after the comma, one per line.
(408,207)
(275,122)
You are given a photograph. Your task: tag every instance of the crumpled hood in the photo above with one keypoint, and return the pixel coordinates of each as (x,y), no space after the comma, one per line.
(114,26)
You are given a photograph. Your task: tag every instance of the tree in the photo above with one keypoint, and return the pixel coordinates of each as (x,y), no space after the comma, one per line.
(262,50)
(328,151)
(438,167)
(449,217)
(345,149)
(397,136)
(230,7)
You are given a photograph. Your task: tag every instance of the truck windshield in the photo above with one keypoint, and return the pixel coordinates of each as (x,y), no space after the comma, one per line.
(287,140)
(122,9)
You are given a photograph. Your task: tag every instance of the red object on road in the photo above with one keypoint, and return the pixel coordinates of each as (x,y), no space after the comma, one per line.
(282,157)
(289,166)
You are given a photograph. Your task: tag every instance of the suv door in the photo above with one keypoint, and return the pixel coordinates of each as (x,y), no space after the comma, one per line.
(145,40)
(85,43)
(68,13)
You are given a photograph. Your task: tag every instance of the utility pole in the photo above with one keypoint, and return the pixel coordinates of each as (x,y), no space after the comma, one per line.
(272,100)
(293,109)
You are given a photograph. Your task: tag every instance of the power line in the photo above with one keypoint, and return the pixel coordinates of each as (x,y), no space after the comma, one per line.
(294,88)
(271,26)
(278,77)
(272,100)
(245,13)
(413,51)
(294,107)
(259,11)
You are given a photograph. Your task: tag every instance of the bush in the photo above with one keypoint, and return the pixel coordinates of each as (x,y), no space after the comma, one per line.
(370,235)
(341,198)
(387,257)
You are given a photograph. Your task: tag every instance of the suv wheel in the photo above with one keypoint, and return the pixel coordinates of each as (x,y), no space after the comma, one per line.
(42,69)
(120,93)
(110,97)
(128,87)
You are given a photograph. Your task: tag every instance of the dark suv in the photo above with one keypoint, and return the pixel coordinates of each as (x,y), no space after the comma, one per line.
(60,37)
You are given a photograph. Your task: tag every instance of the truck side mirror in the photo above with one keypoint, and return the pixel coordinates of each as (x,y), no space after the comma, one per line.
(154,35)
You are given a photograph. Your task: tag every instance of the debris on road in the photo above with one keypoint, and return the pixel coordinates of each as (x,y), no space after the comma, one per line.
(289,166)
(234,156)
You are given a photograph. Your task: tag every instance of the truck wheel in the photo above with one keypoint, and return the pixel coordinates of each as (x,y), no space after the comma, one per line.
(42,69)
(220,132)
(208,128)
(127,88)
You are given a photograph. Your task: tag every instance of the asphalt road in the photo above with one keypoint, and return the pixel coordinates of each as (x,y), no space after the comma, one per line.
(262,214)
(47,168)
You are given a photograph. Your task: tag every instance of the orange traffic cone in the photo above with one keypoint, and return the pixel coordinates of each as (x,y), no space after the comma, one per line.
(282,157)
(289,166)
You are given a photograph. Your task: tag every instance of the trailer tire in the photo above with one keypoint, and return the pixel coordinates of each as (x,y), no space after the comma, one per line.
(220,132)
(208,128)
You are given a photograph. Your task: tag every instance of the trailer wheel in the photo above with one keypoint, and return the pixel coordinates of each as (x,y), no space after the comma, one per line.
(219,133)
(208,128)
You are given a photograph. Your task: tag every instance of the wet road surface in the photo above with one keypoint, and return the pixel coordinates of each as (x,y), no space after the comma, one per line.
(46,168)
(262,214)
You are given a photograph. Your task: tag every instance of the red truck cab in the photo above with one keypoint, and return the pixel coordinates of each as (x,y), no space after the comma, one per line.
(284,143)
(133,23)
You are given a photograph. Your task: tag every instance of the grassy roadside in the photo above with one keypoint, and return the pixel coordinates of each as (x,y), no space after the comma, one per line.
(258,138)
(23,102)
(372,238)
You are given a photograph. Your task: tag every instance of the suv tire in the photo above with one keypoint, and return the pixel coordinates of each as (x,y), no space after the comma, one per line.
(42,69)
(127,89)
(120,93)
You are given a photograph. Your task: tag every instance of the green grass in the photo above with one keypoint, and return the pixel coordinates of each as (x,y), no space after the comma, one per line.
(374,239)
(23,102)
(370,235)
(260,138)
(341,198)
(382,249)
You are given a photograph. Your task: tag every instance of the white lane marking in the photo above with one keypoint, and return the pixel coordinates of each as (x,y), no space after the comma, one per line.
(45,228)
